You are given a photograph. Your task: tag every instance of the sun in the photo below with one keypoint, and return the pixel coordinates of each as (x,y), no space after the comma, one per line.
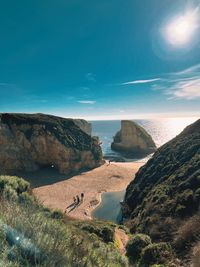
(182,28)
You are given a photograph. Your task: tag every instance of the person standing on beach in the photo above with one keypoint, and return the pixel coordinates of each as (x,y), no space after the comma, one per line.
(82,197)
(109,162)
(77,199)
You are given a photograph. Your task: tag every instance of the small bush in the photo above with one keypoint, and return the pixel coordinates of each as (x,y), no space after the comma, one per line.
(188,233)
(103,231)
(159,253)
(57,214)
(135,246)
(26,198)
(9,193)
(18,184)
(180,210)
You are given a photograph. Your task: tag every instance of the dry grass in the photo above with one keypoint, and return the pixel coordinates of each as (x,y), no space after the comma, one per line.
(60,243)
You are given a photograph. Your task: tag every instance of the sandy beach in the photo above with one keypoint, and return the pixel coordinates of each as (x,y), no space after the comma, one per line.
(107,178)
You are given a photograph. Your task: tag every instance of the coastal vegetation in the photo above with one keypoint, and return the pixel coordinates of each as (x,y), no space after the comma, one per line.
(163,200)
(161,206)
(32,235)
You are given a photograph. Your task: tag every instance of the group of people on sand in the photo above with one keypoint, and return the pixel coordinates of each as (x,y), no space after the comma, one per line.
(77,200)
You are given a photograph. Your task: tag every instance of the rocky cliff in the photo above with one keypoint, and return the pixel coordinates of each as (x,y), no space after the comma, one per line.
(31,141)
(84,126)
(166,190)
(133,140)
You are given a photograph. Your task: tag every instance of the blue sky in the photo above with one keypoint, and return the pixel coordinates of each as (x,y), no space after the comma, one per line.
(105,59)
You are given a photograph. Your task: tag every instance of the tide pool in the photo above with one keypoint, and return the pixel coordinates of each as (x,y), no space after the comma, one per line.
(110,207)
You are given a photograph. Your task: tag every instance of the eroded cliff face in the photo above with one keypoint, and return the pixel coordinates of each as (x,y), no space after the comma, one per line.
(84,126)
(132,139)
(31,141)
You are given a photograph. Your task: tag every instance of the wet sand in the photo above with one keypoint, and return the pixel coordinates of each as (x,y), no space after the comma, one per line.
(107,178)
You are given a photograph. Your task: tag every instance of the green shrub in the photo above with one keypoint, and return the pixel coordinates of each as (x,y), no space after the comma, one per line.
(9,193)
(159,253)
(18,184)
(124,228)
(103,231)
(57,214)
(26,198)
(180,210)
(135,246)
(187,234)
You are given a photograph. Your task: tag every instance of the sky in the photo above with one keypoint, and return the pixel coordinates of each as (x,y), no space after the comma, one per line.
(108,59)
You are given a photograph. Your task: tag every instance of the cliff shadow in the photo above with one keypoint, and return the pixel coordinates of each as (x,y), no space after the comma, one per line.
(45,176)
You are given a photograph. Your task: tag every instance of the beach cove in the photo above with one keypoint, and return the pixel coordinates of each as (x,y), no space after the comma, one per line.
(57,191)
(111,177)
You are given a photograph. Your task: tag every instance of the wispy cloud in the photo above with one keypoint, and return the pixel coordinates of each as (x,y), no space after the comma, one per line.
(193,69)
(8,86)
(183,84)
(89,102)
(141,81)
(185,89)
(91,77)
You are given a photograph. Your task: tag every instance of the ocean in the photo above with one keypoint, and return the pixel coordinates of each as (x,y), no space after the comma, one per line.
(161,130)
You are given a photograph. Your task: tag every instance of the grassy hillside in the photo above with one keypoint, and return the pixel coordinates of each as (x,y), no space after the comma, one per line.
(163,200)
(31,235)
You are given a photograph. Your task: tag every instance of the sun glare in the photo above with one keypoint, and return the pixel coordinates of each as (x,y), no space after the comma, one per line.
(182,28)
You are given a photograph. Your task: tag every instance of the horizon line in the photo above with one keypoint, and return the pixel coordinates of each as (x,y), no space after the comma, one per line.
(143,116)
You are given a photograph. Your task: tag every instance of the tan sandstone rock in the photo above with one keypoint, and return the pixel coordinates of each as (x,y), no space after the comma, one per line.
(133,140)
(31,141)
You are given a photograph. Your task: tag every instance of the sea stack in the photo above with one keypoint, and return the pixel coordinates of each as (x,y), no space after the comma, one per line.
(133,140)
(32,141)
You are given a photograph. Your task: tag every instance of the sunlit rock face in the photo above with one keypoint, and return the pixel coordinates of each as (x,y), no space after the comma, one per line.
(31,141)
(133,140)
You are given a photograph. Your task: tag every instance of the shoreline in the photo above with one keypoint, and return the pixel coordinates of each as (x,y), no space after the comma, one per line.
(109,207)
(111,177)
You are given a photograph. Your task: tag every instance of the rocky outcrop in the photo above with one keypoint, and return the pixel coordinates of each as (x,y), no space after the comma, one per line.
(84,126)
(133,140)
(166,190)
(31,141)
